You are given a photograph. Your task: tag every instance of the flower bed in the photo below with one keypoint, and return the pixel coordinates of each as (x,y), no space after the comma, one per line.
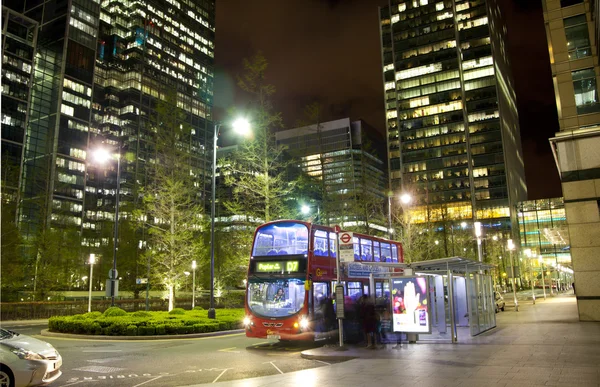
(117,322)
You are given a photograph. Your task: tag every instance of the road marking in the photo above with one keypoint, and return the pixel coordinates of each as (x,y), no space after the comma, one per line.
(221,374)
(147,381)
(104,350)
(229,350)
(99,369)
(273,364)
(80,381)
(324,362)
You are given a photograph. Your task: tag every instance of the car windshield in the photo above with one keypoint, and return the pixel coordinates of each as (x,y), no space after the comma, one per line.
(277,297)
(6,334)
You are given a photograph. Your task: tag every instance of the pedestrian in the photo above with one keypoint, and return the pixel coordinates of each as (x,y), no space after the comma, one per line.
(573,286)
(368,320)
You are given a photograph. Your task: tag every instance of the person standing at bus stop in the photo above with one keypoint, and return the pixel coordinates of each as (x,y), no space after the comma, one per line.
(369,320)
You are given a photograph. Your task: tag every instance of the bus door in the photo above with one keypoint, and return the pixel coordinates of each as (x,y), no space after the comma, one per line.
(320,295)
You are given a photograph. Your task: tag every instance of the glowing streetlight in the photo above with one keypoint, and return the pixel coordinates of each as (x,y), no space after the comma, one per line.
(242,127)
(405,198)
(511,246)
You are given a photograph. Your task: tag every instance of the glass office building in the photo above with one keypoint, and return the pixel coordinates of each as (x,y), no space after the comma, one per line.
(19,38)
(99,69)
(452,126)
(346,157)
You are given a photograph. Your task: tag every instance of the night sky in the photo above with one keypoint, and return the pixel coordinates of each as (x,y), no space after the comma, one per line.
(329,52)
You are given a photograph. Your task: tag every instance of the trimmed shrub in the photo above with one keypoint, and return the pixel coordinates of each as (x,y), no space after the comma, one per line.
(141,313)
(198,308)
(161,330)
(93,315)
(177,311)
(146,330)
(114,311)
(132,330)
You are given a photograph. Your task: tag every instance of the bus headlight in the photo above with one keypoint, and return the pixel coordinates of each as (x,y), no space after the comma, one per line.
(303,322)
(247,321)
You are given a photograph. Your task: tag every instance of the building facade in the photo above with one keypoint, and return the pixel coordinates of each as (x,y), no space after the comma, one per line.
(19,39)
(573,48)
(452,126)
(543,232)
(345,157)
(101,69)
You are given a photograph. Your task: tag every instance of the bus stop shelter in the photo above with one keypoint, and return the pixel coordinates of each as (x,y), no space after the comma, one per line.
(461,296)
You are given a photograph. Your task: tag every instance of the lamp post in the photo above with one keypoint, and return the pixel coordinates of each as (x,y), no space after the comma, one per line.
(91,262)
(102,155)
(193,284)
(477,226)
(541,261)
(389,214)
(243,127)
(510,248)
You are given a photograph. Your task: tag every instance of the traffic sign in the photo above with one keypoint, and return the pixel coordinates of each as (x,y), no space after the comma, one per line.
(113,274)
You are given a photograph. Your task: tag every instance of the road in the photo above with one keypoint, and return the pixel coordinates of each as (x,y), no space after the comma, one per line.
(170,362)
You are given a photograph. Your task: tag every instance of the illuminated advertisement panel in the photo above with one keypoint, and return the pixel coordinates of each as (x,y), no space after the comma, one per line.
(410,305)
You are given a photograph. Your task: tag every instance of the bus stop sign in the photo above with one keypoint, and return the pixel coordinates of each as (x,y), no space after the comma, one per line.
(346,247)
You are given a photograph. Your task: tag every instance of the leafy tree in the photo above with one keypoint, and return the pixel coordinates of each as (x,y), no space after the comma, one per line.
(172,211)
(256,172)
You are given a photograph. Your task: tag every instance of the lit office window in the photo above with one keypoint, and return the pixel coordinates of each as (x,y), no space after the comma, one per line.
(586,95)
(578,38)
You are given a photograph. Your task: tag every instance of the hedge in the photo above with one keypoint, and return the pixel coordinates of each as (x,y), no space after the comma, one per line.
(116,322)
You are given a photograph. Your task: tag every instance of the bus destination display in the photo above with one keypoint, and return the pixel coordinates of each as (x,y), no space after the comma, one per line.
(277,266)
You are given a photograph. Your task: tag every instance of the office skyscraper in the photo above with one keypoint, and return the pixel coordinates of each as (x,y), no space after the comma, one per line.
(573,46)
(452,125)
(100,69)
(346,157)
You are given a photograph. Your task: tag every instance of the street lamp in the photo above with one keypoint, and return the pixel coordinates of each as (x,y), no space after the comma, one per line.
(477,226)
(91,262)
(241,126)
(511,247)
(102,156)
(193,284)
(405,198)
(541,261)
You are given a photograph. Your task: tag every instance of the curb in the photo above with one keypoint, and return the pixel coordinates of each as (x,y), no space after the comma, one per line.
(309,356)
(47,333)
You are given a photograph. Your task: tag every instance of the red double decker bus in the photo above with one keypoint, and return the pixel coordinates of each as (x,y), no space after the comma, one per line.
(292,274)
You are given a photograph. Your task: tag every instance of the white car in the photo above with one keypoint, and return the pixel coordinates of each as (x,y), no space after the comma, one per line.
(26,361)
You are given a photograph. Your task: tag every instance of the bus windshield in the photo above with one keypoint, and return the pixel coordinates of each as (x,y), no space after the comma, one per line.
(276,297)
(285,238)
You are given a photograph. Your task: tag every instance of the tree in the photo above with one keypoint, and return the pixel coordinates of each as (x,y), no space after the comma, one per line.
(172,211)
(256,172)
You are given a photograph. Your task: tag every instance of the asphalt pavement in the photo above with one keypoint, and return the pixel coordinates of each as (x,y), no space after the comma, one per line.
(541,344)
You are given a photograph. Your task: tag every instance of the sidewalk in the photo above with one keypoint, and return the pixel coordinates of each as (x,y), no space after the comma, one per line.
(542,344)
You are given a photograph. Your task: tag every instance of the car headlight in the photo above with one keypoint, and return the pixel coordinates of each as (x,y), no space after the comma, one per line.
(247,321)
(303,322)
(27,355)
